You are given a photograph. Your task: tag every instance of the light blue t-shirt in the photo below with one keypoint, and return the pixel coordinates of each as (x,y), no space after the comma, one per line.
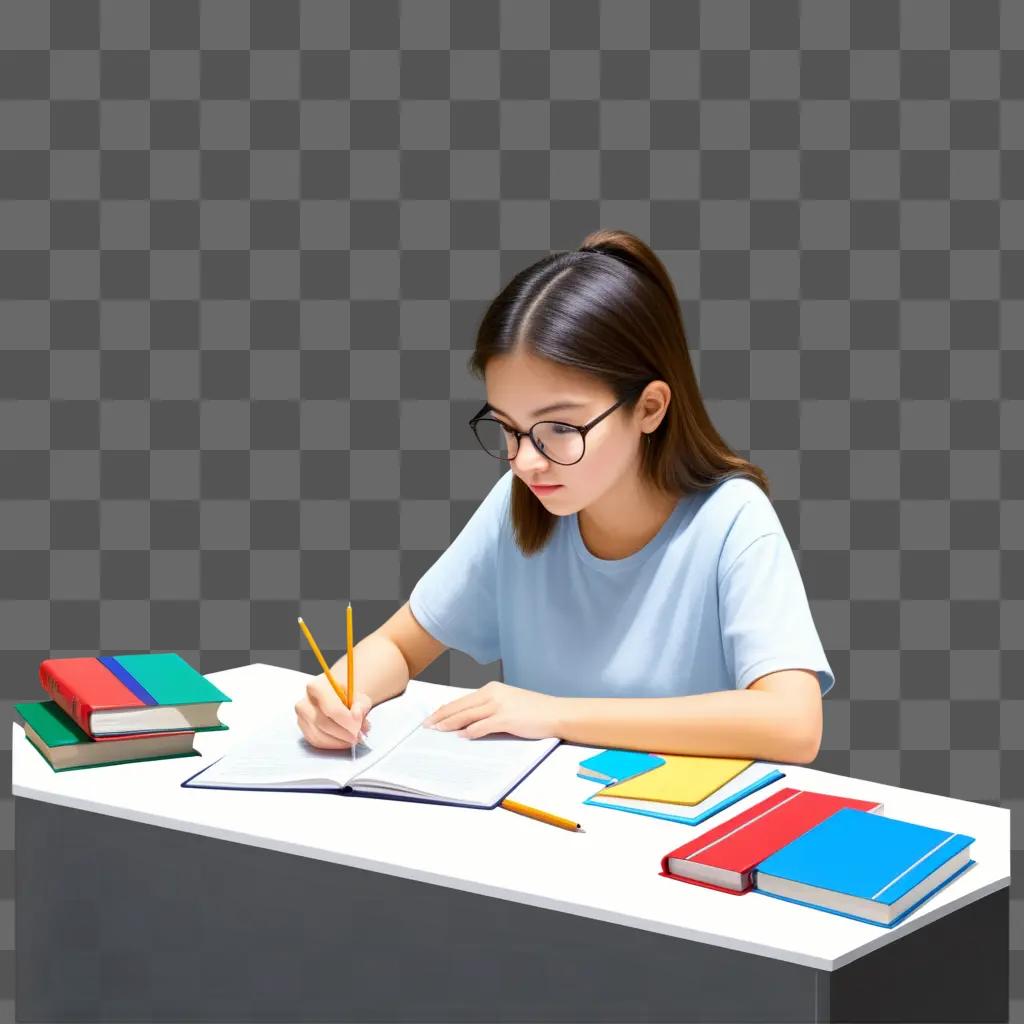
(712,602)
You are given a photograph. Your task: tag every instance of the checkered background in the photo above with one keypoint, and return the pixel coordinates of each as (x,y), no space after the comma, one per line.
(244,248)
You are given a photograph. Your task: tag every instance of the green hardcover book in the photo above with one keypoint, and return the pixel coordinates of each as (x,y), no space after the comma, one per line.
(65,746)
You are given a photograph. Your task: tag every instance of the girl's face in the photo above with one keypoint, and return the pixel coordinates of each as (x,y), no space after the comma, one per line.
(524,388)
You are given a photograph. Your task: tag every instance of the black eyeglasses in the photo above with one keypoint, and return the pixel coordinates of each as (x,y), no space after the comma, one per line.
(564,443)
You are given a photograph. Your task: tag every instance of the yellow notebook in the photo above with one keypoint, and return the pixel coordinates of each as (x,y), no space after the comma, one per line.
(682,779)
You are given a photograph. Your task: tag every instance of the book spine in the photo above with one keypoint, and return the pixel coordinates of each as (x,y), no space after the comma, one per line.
(69,703)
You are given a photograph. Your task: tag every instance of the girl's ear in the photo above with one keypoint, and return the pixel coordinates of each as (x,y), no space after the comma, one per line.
(654,403)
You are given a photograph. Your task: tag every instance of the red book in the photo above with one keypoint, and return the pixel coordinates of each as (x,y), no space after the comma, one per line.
(79,685)
(724,858)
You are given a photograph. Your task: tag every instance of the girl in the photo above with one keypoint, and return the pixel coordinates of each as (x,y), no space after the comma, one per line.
(628,568)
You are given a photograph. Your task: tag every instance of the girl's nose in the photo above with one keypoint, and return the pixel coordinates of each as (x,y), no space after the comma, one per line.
(533,458)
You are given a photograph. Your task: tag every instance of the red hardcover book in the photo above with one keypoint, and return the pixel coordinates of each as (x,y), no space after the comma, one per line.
(81,685)
(724,858)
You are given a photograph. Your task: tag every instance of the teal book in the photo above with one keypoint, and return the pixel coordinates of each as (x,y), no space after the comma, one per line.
(65,746)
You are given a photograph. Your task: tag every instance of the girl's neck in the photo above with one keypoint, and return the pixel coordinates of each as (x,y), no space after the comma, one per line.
(625,519)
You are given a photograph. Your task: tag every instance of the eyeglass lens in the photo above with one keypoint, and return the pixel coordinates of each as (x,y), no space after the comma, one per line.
(558,442)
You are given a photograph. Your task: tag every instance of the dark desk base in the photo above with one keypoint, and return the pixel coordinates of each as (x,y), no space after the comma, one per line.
(118,921)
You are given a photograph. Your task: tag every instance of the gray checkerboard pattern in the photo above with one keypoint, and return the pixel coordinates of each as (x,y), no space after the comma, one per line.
(244,247)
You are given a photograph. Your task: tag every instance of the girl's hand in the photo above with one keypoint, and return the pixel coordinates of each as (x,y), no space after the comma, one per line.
(324,719)
(497,707)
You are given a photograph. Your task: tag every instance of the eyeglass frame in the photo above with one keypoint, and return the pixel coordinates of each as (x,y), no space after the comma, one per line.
(520,434)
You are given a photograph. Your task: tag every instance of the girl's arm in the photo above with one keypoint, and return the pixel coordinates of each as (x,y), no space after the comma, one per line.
(776,718)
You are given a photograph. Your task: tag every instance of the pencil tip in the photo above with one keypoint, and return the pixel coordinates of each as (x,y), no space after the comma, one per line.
(300,618)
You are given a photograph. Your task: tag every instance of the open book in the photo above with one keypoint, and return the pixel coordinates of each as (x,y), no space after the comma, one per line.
(401,759)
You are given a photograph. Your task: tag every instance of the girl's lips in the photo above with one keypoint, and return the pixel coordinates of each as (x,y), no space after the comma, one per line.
(544,488)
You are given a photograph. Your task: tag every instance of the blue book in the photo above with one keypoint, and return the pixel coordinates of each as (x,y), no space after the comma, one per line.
(864,866)
(611,766)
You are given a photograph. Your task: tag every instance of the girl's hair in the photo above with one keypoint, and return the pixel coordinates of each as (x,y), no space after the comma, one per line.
(609,308)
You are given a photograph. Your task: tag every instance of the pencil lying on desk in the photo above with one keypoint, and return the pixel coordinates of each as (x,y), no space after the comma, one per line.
(536,812)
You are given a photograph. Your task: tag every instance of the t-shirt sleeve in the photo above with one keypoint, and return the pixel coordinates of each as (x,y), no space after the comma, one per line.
(765,615)
(456,599)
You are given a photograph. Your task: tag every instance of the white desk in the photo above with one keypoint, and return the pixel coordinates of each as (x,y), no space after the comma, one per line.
(545,884)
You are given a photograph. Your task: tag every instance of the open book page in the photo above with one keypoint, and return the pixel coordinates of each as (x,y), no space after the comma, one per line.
(455,768)
(277,755)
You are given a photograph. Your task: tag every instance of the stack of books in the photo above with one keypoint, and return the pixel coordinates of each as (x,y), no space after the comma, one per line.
(119,708)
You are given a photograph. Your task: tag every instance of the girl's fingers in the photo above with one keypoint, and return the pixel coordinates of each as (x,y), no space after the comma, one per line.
(462,718)
(335,728)
(319,738)
(482,727)
(323,724)
(445,714)
(328,708)
(456,707)
(363,707)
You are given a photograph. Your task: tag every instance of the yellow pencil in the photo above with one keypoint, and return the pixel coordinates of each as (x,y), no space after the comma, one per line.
(539,815)
(323,664)
(351,653)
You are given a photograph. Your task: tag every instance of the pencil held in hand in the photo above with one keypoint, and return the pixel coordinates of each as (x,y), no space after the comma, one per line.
(323,664)
(313,706)
(326,722)
(350,641)
(351,653)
